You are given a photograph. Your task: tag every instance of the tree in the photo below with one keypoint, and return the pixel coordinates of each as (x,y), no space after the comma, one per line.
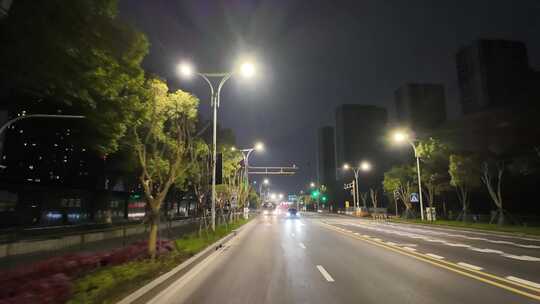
(364,198)
(400,180)
(75,55)
(465,175)
(373,193)
(435,178)
(162,138)
(492,179)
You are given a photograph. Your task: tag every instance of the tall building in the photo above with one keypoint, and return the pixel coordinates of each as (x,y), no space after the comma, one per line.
(360,133)
(420,106)
(492,73)
(4,7)
(326,160)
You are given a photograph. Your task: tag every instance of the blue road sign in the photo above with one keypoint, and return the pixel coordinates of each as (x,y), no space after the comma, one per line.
(414,197)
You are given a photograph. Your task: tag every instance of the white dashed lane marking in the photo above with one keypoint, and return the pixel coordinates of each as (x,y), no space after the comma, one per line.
(522,257)
(438,257)
(325,273)
(302,245)
(523,281)
(470,266)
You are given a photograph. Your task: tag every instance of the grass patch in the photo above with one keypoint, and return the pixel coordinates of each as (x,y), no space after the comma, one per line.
(471,225)
(111,284)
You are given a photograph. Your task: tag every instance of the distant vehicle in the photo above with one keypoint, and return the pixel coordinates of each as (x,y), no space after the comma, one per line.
(268,209)
(292,212)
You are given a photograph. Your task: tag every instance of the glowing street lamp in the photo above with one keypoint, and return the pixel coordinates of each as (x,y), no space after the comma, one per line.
(186,70)
(364,166)
(401,137)
(312,185)
(247,69)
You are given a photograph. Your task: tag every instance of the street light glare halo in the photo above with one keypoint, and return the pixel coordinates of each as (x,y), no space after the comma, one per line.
(247,69)
(259,146)
(185,69)
(346,167)
(365,166)
(400,136)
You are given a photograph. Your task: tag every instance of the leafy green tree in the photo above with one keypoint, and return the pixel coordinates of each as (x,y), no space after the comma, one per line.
(464,170)
(401,180)
(435,178)
(162,139)
(77,54)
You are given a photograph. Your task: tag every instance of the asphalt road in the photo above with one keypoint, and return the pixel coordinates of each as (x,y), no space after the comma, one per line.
(331,259)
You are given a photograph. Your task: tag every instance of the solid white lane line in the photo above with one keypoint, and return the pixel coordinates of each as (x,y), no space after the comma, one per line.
(438,257)
(302,245)
(409,248)
(365,235)
(325,273)
(356,233)
(523,281)
(377,239)
(391,243)
(470,266)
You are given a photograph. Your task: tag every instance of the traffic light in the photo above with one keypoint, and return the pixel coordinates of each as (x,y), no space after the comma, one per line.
(315,193)
(324,198)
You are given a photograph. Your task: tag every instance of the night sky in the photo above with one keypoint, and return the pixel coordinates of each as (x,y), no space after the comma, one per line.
(314,55)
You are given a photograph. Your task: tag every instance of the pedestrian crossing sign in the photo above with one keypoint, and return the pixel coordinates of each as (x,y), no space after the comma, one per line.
(414,197)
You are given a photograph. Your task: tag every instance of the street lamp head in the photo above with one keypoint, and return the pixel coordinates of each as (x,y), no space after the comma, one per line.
(280,195)
(365,166)
(185,70)
(266,181)
(247,69)
(400,136)
(273,196)
(233,149)
(259,147)
(346,167)
(312,185)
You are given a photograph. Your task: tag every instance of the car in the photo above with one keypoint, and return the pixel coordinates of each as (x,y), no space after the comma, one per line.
(292,212)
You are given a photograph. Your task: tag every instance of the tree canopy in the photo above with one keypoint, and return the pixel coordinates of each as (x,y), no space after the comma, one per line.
(75,53)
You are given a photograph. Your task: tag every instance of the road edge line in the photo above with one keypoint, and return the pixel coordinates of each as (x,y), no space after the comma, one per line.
(133,297)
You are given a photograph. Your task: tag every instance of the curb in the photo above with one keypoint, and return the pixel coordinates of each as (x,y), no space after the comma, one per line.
(153,288)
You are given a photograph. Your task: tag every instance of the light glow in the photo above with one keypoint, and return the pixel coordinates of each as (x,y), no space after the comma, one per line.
(185,69)
(247,69)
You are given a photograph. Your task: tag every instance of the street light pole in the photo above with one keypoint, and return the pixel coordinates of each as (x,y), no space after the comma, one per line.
(215,99)
(357,194)
(419,179)
(401,136)
(247,70)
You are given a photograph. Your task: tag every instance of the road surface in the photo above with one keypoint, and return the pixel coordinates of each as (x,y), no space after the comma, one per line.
(335,259)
